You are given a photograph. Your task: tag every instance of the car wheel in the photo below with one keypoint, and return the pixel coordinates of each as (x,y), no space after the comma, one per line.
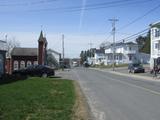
(129,71)
(44,75)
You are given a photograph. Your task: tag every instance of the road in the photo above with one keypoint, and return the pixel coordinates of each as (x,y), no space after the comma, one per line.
(115,97)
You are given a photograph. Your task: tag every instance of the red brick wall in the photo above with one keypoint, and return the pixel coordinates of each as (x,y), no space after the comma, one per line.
(41,53)
(22,58)
(8,66)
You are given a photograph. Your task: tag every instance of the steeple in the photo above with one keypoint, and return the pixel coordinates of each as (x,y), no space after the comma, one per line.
(42,48)
(41,38)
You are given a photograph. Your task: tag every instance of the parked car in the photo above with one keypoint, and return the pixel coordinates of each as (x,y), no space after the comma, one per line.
(36,70)
(135,68)
(86,64)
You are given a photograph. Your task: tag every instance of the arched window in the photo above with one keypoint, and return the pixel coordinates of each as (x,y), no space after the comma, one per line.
(15,65)
(22,64)
(29,63)
(35,63)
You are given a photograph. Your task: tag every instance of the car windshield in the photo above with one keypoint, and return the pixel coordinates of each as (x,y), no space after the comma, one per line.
(137,65)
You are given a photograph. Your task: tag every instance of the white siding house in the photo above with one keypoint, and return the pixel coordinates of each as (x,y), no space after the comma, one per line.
(124,53)
(98,57)
(155,43)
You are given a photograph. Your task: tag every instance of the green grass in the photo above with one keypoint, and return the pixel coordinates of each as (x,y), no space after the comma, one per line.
(37,99)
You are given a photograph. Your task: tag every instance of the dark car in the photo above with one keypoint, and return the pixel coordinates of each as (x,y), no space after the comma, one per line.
(36,70)
(135,68)
(86,64)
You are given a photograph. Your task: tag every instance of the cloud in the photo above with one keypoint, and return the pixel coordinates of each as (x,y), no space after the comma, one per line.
(82,13)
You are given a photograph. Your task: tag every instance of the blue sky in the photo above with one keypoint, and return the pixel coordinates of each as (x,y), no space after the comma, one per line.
(22,20)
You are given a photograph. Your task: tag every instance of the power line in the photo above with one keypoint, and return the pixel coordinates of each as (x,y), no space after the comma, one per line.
(138,33)
(93,6)
(26,3)
(140,17)
(134,36)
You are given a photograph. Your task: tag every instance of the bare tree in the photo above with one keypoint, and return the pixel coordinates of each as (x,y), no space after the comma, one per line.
(11,43)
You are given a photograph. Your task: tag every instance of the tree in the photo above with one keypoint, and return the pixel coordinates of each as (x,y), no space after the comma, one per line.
(144,43)
(147,46)
(11,43)
(141,41)
(83,56)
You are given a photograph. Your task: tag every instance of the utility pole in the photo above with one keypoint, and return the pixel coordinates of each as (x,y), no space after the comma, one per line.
(90,47)
(62,51)
(114,20)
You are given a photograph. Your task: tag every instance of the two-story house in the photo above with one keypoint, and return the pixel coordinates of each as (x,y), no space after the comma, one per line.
(155,44)
(124,53)
(98,57)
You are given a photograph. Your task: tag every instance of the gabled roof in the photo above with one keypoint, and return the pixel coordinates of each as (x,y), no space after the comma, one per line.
(55,52)
(156,24)
(120,44)
(24,51)
(100,51)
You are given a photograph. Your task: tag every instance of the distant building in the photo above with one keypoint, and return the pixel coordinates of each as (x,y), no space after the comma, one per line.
(125,53)
(23,57)
(53,57)
(155,44)
(99,56)
(76,62)
(2,57)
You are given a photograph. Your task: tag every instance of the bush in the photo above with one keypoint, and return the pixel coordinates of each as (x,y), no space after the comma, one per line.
(7,78)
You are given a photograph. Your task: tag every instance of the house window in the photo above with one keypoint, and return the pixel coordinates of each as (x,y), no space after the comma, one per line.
(120,57)
(117,57)
(29,63)
(156,46)
(22,64)
(35,63)
(130,57)
(130,48)
(15,65)
(157,33)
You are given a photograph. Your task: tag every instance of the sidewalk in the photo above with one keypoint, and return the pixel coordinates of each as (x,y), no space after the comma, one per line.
(123,71)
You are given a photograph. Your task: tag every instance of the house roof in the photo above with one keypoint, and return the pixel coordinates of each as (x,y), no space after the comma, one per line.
(24,52)
(99,51)
(53,51)
(156,24)
(120,44)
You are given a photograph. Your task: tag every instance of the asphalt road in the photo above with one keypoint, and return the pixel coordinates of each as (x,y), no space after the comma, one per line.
(115,97)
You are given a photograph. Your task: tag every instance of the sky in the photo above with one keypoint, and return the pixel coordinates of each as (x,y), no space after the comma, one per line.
(81,21)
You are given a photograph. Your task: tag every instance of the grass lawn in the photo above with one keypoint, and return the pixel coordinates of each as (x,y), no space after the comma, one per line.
(37,99)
